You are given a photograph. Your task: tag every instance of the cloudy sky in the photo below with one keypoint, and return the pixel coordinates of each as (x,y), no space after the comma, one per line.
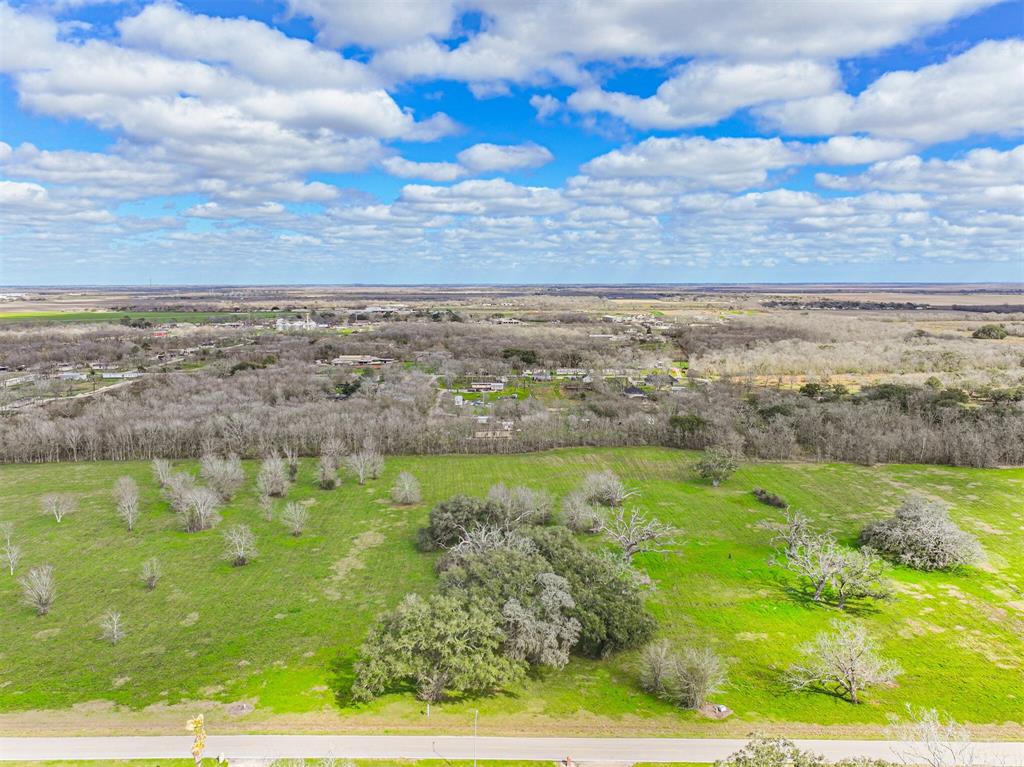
(455,141)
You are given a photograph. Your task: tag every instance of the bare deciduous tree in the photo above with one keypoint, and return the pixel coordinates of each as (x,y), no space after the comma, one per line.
(817,558)
(126,494)
(273,477)
(178,489)
(861,575)
(224,475)
(930,739)
(113,626)
(636,533)
(200,510)
(406,490)
(152,571)
(11,552)
(161,471)
(39,588)
(295,517)
(327,472)
(520,504)
(266,505)
(844,661)
(239,545)
(795,531)
(291,460)
(578,515)
(58,505)
(366,464)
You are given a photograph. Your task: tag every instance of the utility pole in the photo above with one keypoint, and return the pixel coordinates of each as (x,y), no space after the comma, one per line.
(476,717)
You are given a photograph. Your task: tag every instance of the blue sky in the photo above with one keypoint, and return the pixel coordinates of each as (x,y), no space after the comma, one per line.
(465,141)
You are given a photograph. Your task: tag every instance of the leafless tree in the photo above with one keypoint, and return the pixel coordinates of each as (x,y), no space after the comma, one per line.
(113,626)
(291,460)
(521,505)
(327,472)
(406,490)
(861,575)
(178,490)
(796,530)
(295,517)
(266,506)
(11,552)
(126,494)
(636,533)
(815,557)
(224,475)
(844,660)
(932,740)
(578,515)
(200,510)
(39,588)
(151,572)
(484,539)
(699,674)
(921,534)
(656,664)
(239,545)
(272,479)
(605,488)
(366,464)
(162,471)
(58,505)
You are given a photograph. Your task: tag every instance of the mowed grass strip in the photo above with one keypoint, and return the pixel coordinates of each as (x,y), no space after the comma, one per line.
(284,630)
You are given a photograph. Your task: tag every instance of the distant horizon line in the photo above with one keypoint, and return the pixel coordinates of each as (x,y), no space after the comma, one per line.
(704,285)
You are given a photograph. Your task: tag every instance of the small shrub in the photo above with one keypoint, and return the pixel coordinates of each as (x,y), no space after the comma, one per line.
(151,572)
(239,545)
(161,471)
(272,479)
(771,499)
(200,510)
(604,488)
(224,475)
(327,472)
(991,332)
(39,588)
(406,490)
(295,517)
(685,678)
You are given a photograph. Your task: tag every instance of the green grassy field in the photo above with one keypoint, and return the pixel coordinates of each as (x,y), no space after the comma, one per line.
(279,632)
(110,316)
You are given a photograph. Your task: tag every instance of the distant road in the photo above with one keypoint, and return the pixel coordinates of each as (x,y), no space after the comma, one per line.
(619,750)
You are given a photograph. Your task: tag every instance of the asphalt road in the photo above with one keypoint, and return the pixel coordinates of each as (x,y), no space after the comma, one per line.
(620,750)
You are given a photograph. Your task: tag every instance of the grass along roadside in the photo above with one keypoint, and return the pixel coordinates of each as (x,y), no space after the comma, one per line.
(271,634)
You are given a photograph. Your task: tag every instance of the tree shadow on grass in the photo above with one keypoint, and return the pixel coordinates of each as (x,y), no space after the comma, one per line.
(343,676)
(800,594)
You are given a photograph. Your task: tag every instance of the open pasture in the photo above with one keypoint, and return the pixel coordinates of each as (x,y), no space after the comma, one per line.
(281,633)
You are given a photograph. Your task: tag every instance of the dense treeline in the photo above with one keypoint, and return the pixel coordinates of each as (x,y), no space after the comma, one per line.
(254,411)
